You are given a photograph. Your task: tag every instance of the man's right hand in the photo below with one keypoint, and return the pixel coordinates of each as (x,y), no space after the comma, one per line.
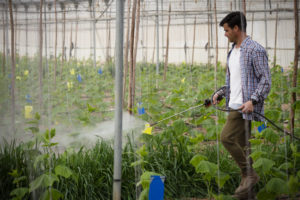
(215,97)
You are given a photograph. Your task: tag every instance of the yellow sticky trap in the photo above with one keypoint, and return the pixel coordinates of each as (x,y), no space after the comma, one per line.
(28,112)
(72,72)
(148,129)
(182,80)
(18,78)
(70,85)
(26,72)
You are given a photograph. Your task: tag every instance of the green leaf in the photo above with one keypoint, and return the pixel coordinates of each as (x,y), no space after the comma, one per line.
(257,154)
(197,159)
(179,127)
(222,180)
(264,195)
(142,151)
(255,141)
(55,195)
(271,136)
(146,178)
(14,173)
(45,180)
(39,159)
(64,171)
(298,174)
(264,164)
(206,167)
(144,194)
(277,186)
(293,185)
(19,179)
(19,192)
(285,166)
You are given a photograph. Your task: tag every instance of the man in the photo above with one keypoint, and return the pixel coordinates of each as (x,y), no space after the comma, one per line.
(248,83)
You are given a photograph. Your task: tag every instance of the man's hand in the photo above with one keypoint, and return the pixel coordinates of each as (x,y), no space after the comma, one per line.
(215,97)
(247,107)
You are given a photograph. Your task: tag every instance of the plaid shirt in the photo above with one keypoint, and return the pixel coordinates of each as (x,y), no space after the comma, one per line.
(255,76)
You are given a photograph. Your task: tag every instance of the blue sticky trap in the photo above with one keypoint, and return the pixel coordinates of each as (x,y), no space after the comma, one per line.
(261,128)
(141,110)
(28,98)
(79,78)
(100,71)
(156,190)
(281,69)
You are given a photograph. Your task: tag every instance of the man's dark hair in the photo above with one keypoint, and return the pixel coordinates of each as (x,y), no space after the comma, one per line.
(235,18)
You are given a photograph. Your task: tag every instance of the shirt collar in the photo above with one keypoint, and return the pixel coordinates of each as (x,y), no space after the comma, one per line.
(243,45)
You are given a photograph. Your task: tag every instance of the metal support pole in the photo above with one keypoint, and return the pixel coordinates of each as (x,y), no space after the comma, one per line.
(157,43)
(266,26)
(94,34)
(118,100)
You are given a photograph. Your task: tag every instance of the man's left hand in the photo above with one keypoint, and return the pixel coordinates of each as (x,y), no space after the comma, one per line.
(247,107)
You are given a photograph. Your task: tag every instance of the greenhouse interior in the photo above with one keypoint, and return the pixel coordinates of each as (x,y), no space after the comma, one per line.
(132,99)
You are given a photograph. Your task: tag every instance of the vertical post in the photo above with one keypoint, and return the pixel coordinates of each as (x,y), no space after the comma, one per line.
(275,45)
(217,49)
(184,29)
(4,41)
(136,41)
(208,33)
(295,73)
(16,24)
(76,31)
(167,46)
(118,100)
(55,45)
(26,29)
(194,38)
(252,25)
(244,7)
(46,53)
(94,34)
(162,28)
(157,44)
(41,58)
(63,39)
(126,49)
(266,26)
(13,67)
(131,86)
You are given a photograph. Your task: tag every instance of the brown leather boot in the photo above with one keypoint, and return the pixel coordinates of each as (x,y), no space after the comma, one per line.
(249,181)
(241,183)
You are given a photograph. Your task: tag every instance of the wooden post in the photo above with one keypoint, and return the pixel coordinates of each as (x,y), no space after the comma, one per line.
(295,73)
(13,66)
(41,58)
(76,31)
(252,25)
(275,45)
(244,7)
(136,41)
(55,45)
(71,43)
(167,46)
(131,93)
(4,41)
(15,23)
(193,52)
(154,46)
(208,27)
(126,51)
(217,49)
(63,39)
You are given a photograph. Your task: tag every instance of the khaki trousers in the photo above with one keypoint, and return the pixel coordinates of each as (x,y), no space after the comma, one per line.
(235,138)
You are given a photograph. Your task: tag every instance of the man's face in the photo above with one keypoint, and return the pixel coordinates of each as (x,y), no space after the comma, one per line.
(230,33)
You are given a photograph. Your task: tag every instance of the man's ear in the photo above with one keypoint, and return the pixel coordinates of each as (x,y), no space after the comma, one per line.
(236,28)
